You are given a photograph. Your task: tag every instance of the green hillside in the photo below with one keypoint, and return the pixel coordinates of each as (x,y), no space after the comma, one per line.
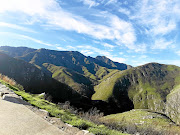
(75,80)
(143,121)
(152,86)
(35,81)
(95,68)
(81,73)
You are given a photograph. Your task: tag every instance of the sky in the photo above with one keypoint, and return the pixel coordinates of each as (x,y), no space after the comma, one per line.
(134,32)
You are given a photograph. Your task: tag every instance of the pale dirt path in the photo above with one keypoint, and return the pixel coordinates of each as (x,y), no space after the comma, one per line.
(17,119)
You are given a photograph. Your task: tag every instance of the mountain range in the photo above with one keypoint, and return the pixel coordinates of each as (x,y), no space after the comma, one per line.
(111,86)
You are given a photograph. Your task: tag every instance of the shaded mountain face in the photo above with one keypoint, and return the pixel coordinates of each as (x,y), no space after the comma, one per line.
(152,86)
(72,67)
(35,81)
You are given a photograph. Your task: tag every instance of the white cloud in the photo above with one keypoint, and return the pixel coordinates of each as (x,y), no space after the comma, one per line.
(163,28)
(70,47)
(162,44)
(111,2)
(137,47)
(94,49)
(118,59)
(61,48)
(123,32)
(14,26)
(178,52)
(90,3)
(30,7)
(101,52)
(24,37)
(124,11)
(108,45)
(159,17)
(87,52)
(116,30)
(36,40)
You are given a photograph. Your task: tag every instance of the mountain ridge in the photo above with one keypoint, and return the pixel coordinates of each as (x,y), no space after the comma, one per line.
(151,86)
(91,68)
(145,87)
(34,80)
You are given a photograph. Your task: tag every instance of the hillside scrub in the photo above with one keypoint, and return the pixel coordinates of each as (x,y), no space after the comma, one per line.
(142,121)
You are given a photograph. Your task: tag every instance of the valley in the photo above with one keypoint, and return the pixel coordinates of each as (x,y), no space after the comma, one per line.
(143,96)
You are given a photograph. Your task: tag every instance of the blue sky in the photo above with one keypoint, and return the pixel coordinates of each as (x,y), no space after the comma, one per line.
(126,31)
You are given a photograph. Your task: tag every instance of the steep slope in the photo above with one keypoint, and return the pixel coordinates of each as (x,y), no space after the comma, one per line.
(35,81)
(92,69)
(70,59)
(74,79)
(151,86)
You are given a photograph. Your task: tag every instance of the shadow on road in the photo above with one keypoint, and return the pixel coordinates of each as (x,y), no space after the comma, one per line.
(15,100)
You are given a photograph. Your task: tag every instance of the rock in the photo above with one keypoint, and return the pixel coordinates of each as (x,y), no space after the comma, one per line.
(80,133)
(44,112)
(173,105)
(42,94)
(69,125)
(1,94)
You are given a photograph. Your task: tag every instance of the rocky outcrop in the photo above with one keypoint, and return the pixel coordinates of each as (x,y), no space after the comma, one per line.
(173,105)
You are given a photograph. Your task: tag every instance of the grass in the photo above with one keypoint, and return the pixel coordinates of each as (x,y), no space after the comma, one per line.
(75,80)
(88,74)
(65,116)
(146,86)
(172,67)
(142,121)
(105,88)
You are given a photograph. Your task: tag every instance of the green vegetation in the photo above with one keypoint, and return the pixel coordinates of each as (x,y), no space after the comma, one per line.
(172,68)
(75,80)
(105,89)
(152,86)
(112,72)
(35,80)
(88,74)
(141,121)
(93,68)
(143,87)
(65,116)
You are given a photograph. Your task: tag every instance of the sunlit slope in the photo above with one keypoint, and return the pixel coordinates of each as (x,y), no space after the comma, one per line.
(144,121)
(144,87)
(75,80)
